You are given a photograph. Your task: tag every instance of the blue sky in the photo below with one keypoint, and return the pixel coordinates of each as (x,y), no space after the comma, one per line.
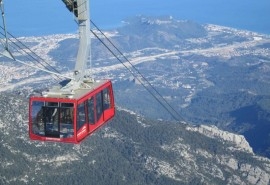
(41,17)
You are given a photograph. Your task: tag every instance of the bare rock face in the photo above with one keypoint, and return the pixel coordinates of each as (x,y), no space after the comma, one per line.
(252,173)
(213,132)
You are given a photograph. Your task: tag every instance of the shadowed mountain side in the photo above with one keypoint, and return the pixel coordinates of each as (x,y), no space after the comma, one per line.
(254,123)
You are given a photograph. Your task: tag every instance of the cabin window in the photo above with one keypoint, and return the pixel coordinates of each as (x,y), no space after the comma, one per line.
(99,105)
(37,118)
(81,116)
(66,120)
(91,110)
(106,99)
(52,119)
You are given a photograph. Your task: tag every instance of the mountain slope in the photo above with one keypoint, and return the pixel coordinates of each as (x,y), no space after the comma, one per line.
(129,149)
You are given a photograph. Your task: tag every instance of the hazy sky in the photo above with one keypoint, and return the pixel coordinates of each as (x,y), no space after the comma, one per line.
(38,17)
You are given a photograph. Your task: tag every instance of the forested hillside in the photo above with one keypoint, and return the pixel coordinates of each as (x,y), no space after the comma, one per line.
(129,149)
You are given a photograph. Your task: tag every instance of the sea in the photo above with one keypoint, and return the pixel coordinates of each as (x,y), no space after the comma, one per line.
(45,17)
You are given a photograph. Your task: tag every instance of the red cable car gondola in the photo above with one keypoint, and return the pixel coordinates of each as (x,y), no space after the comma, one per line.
(70,118)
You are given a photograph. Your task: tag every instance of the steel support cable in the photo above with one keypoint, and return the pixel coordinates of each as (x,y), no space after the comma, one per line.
(140,74)
(141,82)
(47,66)
(31,51)
(15,47)
(6,33)
(36,67)
(56,76)
(167,106)
(32,64)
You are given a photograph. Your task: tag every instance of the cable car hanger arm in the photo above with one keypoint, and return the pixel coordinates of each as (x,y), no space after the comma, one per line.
(45,70)
(80,9)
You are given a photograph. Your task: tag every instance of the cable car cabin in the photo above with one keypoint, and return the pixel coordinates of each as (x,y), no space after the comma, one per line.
(71,118)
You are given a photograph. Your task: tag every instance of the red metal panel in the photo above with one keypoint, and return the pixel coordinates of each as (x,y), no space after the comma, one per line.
(107,114)
(82,133)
